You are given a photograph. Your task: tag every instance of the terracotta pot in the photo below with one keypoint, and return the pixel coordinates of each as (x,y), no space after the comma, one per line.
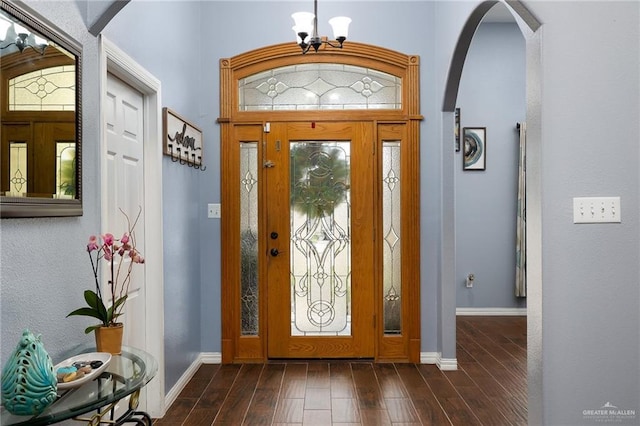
(109,339)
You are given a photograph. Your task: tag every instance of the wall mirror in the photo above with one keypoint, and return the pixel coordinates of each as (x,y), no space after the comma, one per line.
(41,150)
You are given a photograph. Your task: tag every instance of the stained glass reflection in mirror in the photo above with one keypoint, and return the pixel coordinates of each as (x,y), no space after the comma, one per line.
(49,89)
(66,169)
(17,169)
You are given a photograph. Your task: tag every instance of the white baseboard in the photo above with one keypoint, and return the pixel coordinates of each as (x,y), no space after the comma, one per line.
(211,357)
(203,358)
(492,311)
(429,357)
(447,364)
(444,364)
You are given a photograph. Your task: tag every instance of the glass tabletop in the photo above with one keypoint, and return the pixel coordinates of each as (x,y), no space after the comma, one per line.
(125,374)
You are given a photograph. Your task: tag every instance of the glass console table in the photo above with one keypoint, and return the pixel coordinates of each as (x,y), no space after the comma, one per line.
(94,402)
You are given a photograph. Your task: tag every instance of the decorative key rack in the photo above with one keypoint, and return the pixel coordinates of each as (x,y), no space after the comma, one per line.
(182,140)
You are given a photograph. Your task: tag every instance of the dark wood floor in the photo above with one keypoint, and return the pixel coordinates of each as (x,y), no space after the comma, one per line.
(489,387)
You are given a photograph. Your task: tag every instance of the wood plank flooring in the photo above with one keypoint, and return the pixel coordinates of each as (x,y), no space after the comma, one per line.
(489,387)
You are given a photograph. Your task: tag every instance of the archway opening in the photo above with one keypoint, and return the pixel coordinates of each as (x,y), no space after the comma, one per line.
(529,26)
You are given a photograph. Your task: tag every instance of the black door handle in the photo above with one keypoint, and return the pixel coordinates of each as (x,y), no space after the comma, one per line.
(274,252)
(274,235)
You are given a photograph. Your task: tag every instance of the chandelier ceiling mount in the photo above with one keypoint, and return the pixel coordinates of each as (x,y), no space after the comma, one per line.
(306,29)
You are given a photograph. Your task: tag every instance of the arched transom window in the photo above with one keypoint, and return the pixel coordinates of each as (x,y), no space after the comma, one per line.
(319,86)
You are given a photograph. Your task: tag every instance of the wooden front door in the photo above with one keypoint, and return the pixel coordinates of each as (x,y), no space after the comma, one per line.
(318,227)
(320,204)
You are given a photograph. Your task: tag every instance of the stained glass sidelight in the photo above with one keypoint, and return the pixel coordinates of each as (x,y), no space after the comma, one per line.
(66,169)
(319,86)
(320,239)
(249,238)
(392,282)
(17,169)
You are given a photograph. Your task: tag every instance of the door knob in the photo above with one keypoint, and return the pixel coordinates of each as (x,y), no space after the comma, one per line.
(274,235)
(274,252)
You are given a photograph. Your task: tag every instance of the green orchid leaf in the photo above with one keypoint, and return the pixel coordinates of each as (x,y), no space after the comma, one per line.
(92,298)
(112,311)
(88,312)
(95,303)
(103,311)
(91,328)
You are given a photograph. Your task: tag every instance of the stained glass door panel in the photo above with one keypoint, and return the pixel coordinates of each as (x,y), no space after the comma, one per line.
(320,274)
(320,238)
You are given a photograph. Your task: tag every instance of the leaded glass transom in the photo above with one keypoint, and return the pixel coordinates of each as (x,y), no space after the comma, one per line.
(319,87)
(49,89)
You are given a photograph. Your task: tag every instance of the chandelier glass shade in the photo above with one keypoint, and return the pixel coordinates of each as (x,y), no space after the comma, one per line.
(306,30)
(23,37)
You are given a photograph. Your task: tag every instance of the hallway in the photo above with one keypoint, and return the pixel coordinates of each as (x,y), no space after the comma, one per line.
(489,387)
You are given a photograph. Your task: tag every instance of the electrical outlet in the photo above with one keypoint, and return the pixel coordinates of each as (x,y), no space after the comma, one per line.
(596,210)
(470,279)
(213,211)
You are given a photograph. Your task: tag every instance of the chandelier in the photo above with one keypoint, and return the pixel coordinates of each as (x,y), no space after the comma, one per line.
(306,29)
(23,37)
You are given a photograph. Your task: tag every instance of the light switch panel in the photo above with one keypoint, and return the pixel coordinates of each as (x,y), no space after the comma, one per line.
(596,210)
(213,211)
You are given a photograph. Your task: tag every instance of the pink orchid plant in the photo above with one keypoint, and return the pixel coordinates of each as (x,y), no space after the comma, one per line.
(120,255)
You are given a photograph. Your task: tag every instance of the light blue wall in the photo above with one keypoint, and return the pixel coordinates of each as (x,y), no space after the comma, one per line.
(270,23)
(492,95)
(588,80)
(591,294)
(172,55)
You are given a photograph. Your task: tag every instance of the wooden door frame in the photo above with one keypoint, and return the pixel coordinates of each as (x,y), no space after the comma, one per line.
(404,347)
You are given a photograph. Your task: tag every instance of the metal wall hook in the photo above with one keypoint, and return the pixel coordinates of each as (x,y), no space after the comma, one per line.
(180,156)
(199,165)
(183,158)
(173,158)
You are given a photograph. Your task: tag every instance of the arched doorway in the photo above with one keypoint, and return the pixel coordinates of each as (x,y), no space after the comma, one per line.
(529,26)
(320,191)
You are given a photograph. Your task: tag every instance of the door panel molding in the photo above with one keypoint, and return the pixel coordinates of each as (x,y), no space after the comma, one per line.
(115,61)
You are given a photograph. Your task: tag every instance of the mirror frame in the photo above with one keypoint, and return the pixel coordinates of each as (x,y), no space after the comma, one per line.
(17,207)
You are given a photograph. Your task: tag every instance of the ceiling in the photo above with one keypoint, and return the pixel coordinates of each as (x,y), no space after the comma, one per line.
(499,14)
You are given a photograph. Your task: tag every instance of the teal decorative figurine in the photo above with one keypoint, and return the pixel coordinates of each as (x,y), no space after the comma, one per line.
(29,383)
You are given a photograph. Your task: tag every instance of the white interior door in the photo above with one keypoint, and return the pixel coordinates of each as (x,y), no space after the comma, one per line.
(124,185)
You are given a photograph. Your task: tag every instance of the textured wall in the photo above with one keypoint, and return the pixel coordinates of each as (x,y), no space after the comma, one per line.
(590,293)
(43,263)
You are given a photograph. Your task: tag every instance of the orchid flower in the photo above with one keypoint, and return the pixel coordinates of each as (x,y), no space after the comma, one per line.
(113,251)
